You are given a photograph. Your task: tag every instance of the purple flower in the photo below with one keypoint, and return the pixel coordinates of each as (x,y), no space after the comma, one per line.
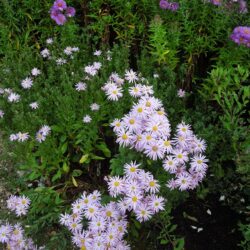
(164,4)
(243,6)
(70,12)
(216,2)
(60,5)
(174,6)
(241,35)
(60,19)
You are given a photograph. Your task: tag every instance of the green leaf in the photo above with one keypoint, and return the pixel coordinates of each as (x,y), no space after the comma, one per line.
(84,158)
(77,172)
(103,147)
(74,181)
(66,167)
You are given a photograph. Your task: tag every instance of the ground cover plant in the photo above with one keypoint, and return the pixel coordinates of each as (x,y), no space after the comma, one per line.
(125,124)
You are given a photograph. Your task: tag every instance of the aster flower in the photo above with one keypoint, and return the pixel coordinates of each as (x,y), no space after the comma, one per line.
(81,86)
(70,12)
(35,72)
(115,186)
(143,213)
(183,181)
(21,137)
(124,137)
(181,93)
(156,203)
(94,107)
(27,83)
(131,76)
(34,105)
(13,137)
(87,119)
(49,41)
(5,231)
(97,53)
(60,61)
(45,53)
(1,113)
(68,51)
(60,5)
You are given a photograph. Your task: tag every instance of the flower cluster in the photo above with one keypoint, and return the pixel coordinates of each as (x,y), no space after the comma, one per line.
(241,35)
(242,4)
(146,128)
(42,133)
(93,69)
(107,224)
(59,12)
(138,190)
(27,83)
(21,137)
(18,204)
(14,238)
(13,235)
(165,5)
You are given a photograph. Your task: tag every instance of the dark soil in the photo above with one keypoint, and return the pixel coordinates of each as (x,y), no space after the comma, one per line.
(218,231)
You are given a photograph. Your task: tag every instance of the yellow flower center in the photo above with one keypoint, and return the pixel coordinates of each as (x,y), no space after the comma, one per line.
(139,110)
(86,201)
(167,143)
(118,124)
(143,212)
(155,148)
(115,92)
(132,169)
(116,183)
(151,183)
(91,210)
(108,213)
(148,137)
(134,199)
(199,161)
(179,156)
(183,129)
(155,128)
(124,137)
(132,121)
(148,104)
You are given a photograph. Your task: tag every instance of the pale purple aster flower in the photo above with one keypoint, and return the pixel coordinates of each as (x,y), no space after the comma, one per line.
(1,113)
(13,137)
(40,137)
(49,41)
(13,97)
(27,83)
(68,51)
(81,86)
(87,119)
(5,232)
(60,61)
(91,70)
(45,53)
(35,72)
(45,129)
(94,107)
(21,137)
(181,93)
(131,76)
(97,53)
(34,105)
